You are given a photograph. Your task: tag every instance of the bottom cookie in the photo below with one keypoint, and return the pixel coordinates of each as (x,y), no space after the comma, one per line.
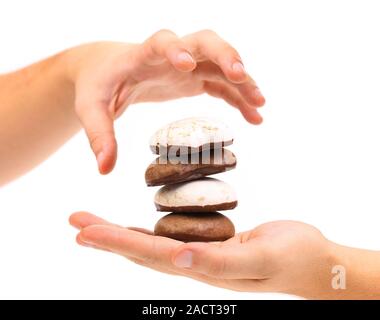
(188,227)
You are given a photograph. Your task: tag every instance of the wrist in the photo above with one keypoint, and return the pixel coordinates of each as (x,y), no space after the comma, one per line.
(73,60)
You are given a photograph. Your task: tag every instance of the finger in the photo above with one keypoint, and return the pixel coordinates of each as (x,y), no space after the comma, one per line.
(153,267)
(209,71)
(140,248)
(207,44)
(152,249)
(184,273)
(231,284)
(165,44)
(138,261)
(232,97)
(154,252)
(233,262)
(251,92)
(98,124)
(84,219)
(142,230)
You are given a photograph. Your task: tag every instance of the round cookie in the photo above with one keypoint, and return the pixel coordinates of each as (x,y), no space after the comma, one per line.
(202,195)
(190,135)
(179,169)
(187,227)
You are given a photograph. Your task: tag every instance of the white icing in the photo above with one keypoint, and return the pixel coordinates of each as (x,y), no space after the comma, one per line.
(192,132)
(202,192)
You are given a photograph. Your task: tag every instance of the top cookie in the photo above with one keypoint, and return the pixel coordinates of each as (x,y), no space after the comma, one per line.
(190,135)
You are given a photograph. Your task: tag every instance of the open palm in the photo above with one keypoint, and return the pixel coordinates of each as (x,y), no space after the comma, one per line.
(275,256)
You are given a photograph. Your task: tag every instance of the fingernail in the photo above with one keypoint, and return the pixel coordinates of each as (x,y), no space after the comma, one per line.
(84,242)
(238,67)
(185,57)
(259,118)
(258,92)
(260,96)
(100,158)
(184,259)
(88,245)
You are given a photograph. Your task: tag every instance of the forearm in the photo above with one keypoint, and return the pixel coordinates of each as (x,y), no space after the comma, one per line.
(36,115)
(362,269)
(350,274)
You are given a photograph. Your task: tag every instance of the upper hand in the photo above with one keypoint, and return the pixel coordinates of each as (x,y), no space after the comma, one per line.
(110,76)
(282,256)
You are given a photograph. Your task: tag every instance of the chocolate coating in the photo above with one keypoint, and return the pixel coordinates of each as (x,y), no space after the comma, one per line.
(173,170)
(206,208)
(187,227)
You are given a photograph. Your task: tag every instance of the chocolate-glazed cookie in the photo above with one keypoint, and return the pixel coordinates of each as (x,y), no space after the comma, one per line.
(187,227)
(202,195)
(166,170)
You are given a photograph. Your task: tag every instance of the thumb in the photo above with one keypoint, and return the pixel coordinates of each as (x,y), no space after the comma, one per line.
(98,124)
(241,261)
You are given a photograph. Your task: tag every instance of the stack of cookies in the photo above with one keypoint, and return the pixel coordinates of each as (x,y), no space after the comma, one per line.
(190,150)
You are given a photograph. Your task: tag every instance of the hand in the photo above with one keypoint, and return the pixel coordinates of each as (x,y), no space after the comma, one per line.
(283,256)
(110,76)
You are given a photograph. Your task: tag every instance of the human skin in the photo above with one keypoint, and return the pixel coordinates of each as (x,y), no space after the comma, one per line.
(282,256)
(89,86)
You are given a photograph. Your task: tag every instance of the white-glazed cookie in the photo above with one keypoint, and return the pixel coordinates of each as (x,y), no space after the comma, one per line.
(203,195)
(190,135)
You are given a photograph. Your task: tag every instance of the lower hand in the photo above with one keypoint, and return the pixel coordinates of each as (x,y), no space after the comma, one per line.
(109,76)
(283,256)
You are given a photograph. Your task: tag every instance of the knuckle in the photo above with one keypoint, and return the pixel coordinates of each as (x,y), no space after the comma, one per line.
(207,33)
(160,42)
(165,31)
(118,236)
(151,259)
(162,33)
(231,51)
(96,139)
(227,53)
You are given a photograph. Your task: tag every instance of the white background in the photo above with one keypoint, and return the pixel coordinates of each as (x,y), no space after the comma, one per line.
(315,158)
